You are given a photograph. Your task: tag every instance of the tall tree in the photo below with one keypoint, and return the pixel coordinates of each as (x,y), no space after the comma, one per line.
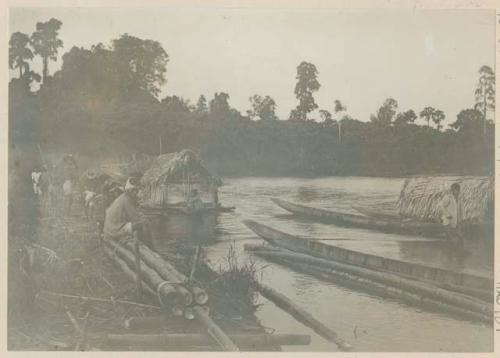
(201,105)
(142,64)
(405,118)
(437,117)
(307,84)
(219,105)
(19,52)
(177,104)
(46,43)
(386,112)
(339,107)
(426,113)
(485,92)
(326,116)
(262,107)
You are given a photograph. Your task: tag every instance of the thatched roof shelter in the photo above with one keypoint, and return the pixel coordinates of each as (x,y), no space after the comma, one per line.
(178,167)
(421,197)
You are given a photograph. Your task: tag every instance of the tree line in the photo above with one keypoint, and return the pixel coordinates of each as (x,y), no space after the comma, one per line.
(106,100)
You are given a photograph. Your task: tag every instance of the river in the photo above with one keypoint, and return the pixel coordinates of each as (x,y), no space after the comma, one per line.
(370,323)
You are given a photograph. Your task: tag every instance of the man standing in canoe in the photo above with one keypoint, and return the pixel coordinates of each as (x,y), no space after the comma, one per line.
(451,215)
(122,218)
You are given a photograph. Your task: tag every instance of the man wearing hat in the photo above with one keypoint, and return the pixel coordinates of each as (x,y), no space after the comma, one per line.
(122,218)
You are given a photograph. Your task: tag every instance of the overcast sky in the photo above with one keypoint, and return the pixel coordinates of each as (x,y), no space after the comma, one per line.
(420,58)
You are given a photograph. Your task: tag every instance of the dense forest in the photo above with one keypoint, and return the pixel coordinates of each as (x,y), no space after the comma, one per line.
(105,101)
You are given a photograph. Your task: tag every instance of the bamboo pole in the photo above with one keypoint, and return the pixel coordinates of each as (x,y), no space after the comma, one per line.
(103,300)
(137,266)
(166,292)
(214,330)
(145,323)
(250,340)
(302,316)
(169,273)
(127,270)
(200,295)
(413,286)
(177,310)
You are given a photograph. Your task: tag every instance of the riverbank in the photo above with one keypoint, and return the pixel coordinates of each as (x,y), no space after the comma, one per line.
(65,294)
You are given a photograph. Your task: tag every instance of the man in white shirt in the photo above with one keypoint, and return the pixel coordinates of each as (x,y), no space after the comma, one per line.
(451,214)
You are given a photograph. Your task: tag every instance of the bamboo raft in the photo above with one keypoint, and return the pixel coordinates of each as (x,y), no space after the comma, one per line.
(387,224)
(180,298)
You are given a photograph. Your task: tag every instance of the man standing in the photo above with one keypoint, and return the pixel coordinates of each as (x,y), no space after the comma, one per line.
(451,214)
(122,218)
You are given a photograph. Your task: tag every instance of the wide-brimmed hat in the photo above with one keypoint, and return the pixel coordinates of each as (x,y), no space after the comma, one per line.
(133,183)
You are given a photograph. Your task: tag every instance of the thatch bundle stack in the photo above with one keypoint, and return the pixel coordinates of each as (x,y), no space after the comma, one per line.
(177,167)
(421,197)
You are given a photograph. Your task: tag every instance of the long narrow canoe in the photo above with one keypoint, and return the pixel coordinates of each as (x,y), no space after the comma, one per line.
(183,209)
(367,222)
(386,215)
(334,253)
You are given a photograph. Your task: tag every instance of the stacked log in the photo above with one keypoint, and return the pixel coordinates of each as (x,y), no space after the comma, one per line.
(166,293)
(170,286)
(169,273)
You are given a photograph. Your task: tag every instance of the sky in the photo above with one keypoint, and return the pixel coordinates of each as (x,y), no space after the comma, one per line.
(418,57)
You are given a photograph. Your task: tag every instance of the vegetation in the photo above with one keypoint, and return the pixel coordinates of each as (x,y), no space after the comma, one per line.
(105,100)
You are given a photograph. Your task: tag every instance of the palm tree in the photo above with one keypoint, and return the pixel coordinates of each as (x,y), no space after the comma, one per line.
(19,52)
(427,114)
(45,42)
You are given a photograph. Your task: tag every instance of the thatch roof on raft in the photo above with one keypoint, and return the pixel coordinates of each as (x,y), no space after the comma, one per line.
(421,197)
(177,168)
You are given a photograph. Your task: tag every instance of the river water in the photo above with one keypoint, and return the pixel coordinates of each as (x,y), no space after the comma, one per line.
(368,322)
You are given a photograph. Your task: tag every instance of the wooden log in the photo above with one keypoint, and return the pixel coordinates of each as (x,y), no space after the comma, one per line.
(166,292)
(413,286)
(127,270)
(189,340)
(214,330)
(382,290)
(301,315)
(145,323)
(169,273)
(137,266)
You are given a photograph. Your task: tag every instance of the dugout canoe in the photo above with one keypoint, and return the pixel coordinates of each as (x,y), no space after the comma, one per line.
(418,271)
(182,209)
(367,222)
(386,215)
(207,209)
